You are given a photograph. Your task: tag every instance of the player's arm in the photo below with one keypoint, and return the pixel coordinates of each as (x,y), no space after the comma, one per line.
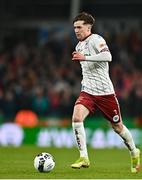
(77,55)
(104,56)
(102,53)
(100,57)
(101,49)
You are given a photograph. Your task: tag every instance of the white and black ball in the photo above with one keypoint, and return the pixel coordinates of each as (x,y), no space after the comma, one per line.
(44,162)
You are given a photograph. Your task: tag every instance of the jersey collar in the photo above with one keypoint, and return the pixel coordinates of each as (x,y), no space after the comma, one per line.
(86,37)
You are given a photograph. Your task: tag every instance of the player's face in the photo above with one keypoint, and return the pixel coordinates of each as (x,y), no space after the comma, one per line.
(82,30)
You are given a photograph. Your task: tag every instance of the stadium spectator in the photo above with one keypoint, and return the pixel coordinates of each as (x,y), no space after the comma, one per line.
(26,64)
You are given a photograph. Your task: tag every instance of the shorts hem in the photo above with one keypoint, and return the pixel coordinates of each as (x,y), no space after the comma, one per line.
(90,111)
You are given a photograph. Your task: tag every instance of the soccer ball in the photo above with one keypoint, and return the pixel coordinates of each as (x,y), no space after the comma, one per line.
(44,162)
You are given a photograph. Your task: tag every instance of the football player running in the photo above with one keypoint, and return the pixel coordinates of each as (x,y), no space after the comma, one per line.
(97,90)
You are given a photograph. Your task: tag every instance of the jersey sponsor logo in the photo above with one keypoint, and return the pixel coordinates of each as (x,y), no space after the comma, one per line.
(115,118)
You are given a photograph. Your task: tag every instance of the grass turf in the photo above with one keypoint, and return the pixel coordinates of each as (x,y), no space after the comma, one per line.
(17,163)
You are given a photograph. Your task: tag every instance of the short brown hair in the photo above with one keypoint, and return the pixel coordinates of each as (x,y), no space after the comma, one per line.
(86,17)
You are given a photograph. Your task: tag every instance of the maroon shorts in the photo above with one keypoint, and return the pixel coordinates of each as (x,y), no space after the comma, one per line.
(107,104)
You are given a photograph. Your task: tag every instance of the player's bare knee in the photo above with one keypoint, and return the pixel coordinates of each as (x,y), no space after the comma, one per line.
(117,127)
(77,119)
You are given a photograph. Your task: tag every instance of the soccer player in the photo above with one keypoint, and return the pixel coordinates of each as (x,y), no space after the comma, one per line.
(97,91)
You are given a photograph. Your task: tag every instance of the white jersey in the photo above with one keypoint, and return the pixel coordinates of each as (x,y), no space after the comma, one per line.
(96,80)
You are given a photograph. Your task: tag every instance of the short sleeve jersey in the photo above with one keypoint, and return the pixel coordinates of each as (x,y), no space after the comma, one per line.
(96,80)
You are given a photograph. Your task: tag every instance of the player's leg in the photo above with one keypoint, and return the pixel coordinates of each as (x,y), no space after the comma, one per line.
(125,134)
(79,114)
(110,107)
(83,106)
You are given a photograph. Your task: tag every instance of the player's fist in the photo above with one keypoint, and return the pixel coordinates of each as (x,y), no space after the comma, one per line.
(77,56)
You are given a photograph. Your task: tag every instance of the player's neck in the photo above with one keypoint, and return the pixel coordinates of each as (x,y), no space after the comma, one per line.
(86,37)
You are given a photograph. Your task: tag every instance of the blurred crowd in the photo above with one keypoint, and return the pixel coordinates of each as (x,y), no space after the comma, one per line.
(36,72)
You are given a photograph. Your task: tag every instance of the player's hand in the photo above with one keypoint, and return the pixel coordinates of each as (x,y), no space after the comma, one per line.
(77,56)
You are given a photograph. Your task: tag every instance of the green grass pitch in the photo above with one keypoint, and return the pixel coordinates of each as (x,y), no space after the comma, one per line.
(17,163)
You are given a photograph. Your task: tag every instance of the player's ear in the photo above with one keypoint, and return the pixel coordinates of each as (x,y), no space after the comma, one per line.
(89,27)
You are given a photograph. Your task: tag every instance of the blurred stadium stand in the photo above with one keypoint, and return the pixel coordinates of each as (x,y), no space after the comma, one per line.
(36,41)
(14,10)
